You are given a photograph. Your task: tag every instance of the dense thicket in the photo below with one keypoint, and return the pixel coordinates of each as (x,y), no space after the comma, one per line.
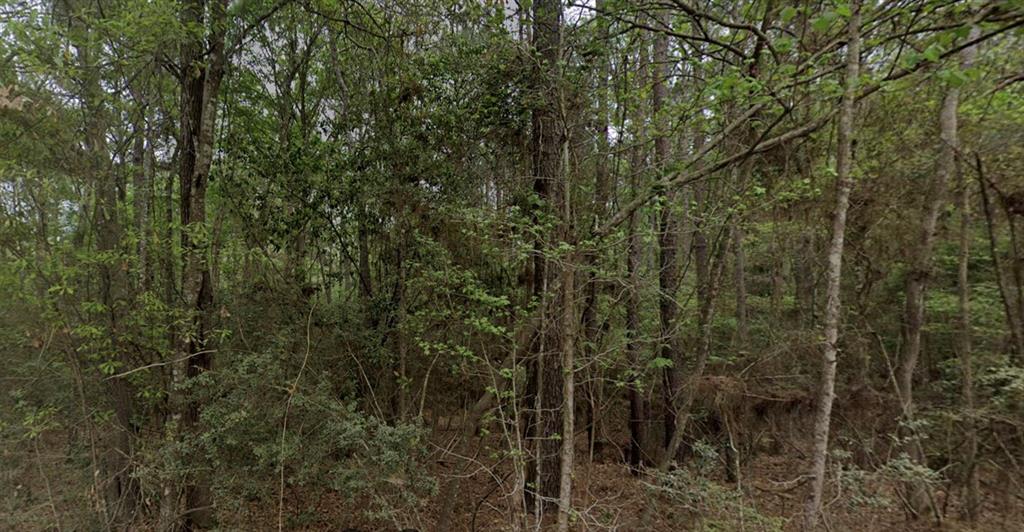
(443,264)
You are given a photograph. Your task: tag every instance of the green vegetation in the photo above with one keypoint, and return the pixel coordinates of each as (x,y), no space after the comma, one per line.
(460,265)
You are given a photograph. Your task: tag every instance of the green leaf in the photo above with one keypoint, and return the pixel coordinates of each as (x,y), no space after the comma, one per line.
(784,44)
(954,77)
(660,362)
(822,23)
(787,13)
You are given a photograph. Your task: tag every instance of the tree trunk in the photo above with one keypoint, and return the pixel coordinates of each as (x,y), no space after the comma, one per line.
(1013,320)
(710,263)
(917,279)
(122,493)
(592,286)
(141,191)
(740,277)
(971,482)
(971,485)
(668,269)
(203,63)
(638,410)
(545,386)
(568,337)
(709,283)
(844,160)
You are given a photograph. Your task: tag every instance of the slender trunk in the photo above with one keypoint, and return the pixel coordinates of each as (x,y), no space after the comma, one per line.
(636,399)
(203,63)
(708,293)
(740,278)
(400,340)
(545,372)
(1013,320)
(589,321)
(668,270)
(705,296)
(917,280)
(844,160)
(174,376)
(139,202)
(568,336)
(638,409)
(971,484)
(122,494)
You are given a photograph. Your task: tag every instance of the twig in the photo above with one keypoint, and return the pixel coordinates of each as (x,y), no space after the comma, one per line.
(46,482)
(284,426)
(157,364)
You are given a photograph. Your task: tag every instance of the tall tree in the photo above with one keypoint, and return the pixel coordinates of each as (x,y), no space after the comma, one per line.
(668,268)
(202,66)
(827,378)
(545,373)
(920,271)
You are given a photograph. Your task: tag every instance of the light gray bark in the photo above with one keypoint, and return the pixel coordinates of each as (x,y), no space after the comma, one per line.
(920,270)
(568,338)
(971,482)
(844,160)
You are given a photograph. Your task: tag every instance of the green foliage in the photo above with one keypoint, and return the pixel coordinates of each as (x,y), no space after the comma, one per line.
(710,505)
(328,443)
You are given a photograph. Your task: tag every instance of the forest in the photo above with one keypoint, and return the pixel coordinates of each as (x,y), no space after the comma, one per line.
(441,265)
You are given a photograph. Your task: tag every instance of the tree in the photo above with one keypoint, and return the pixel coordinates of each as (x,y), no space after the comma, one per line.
(844,164)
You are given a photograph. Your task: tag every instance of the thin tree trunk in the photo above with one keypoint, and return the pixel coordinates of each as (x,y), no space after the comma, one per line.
(401,344)
(122,494)
(568,338)
(844,160)
(917,280)
(637,408)
(141,191)
(170,498)
(592,287)
(668,270)
(1013,321)
(203,63)
(740,278)
(707,295)
(971,486)
(636,399)
(545,386)
(971,482)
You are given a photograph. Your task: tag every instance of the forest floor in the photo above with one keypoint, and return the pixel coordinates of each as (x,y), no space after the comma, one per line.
(606,495)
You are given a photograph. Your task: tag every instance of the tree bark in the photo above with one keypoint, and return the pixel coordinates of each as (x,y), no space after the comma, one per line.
(917,279)
(568,338)
(545,386)
(971,482)
(844,160)
(1013,320)
(637,407)
(203,63)
(593,390)
(140,206)
(122,493)
(668,269)
(740,278)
